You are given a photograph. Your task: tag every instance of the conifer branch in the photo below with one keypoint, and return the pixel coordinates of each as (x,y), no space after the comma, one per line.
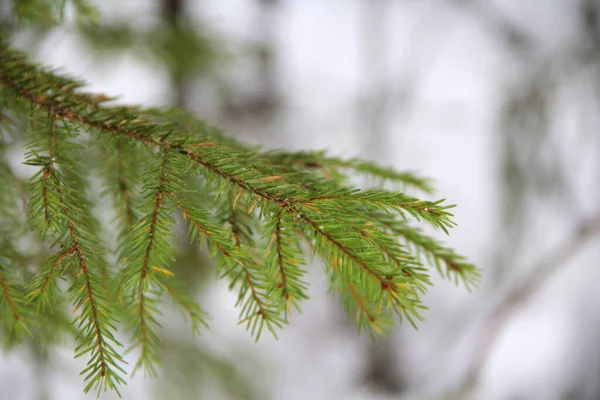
(43,285)
(432,212)
(257,310)
(68,223)
(280,259)
(103,367)
(413,206)
(48,169)
(143,311)
(144,255)
(334,166)
(366,314)
(344,250)
(14,299)
(16,318)
(360,301)
(283,261)
(265,203)
(439,256)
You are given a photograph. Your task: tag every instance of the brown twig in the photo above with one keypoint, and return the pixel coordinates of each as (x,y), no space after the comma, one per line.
(146,265)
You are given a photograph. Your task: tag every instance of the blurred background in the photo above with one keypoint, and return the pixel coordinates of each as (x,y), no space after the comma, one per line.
(497,100)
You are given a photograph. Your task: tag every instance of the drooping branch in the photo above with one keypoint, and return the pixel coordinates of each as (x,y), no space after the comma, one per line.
(143,273)
(258,310)
(294,199)
(251,191)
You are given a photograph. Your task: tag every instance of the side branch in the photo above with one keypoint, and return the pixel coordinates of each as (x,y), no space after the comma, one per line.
(234,258)
(154,215)
(90,297)
(143,273)
(435,253)
(42,287)
(9,300)
(374,275)
(280,260)
(187,213)
(48,169)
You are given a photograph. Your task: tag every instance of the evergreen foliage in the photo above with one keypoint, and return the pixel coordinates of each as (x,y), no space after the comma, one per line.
(259,213)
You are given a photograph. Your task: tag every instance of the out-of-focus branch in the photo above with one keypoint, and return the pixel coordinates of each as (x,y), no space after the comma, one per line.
(590,17)
(514,36)
(544,270)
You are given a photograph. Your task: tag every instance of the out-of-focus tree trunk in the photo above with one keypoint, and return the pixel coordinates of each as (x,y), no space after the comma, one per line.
(253,107)
(172,12)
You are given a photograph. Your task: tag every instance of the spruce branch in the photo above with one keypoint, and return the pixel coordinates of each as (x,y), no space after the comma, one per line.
(252,208)
(212,161)
(257,309)
(96,321)
(70,224)
(433,212)
(44,288)
(15,315)
(284,259)
(448,263)
(104,368)
(144,255)
(362,267)
(45,185)
(366,312)
(336,167)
